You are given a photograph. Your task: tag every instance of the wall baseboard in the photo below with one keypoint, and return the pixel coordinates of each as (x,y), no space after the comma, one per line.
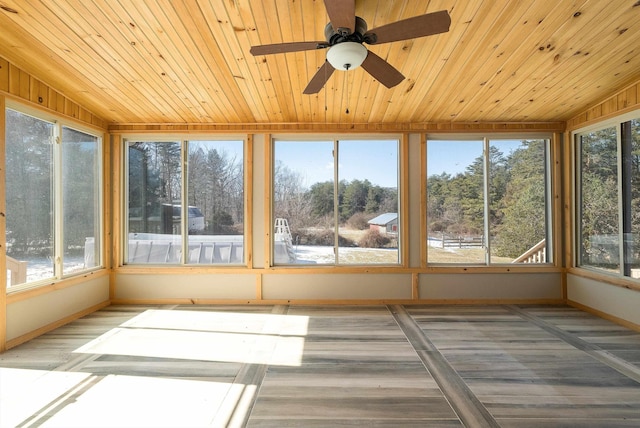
(604,315)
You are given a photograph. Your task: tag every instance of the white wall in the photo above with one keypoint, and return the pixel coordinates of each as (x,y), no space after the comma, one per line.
(168,286)
(617,301)
(491,286)
(28,315)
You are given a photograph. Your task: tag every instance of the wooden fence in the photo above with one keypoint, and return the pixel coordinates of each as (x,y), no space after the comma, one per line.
(459,241)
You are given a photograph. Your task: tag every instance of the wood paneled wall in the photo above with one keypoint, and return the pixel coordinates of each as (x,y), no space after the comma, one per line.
(21,85)
(624,101)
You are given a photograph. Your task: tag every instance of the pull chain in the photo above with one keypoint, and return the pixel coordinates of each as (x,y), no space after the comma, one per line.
(346,87)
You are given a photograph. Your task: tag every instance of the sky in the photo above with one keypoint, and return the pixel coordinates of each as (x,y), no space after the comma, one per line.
(451,157)
(232,148)
(374,160)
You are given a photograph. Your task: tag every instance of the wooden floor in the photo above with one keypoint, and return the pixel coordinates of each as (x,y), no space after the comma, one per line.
(311,366)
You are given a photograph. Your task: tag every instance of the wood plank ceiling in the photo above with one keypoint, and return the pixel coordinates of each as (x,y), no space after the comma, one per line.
(164,61)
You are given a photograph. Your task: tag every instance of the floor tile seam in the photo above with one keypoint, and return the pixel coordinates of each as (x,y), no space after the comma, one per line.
(465,404)
(621,365)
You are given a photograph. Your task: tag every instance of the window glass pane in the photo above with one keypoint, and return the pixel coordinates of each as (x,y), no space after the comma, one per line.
(599,219)
(455,201)
(29,198)
(80,200)
(216,202)
(517,197)
(368,202)
(303,202)
(632,198)
(154,202)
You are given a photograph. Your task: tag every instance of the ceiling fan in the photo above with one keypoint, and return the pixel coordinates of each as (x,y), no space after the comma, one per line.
(346,33)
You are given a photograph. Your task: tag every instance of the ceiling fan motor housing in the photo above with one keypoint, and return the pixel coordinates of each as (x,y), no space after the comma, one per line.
(336,36)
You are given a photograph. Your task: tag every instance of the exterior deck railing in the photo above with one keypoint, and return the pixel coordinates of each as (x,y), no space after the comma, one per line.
(535,254)
(18,270)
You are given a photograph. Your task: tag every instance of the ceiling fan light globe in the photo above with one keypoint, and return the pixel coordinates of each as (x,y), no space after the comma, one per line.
(347,55)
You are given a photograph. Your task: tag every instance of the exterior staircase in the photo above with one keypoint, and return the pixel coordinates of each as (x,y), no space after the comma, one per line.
(283,235)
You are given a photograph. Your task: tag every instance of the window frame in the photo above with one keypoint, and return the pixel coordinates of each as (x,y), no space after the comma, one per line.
(58,123)
(576,214)
(183,140)
(550,183)
(401,141)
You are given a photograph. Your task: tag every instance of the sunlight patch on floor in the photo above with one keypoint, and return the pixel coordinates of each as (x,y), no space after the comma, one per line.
(207,336)
(144,401)
(24,393)
(231,322)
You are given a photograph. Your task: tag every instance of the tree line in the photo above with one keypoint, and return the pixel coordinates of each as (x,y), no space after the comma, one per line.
(314,207)
(215,185)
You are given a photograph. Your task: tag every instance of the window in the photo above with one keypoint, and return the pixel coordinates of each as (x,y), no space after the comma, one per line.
(81,172)
(488,201)
(194,217)
(608,183)
(53,196)
(336,202)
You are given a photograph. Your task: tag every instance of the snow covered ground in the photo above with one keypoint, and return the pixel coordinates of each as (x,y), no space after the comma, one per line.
(306,254)
(42,268)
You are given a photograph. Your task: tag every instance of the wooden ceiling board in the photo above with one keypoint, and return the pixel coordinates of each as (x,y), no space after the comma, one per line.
(116,55)
(423,61)
(582,66)
(221,58)
(182,62)
(23,41)
(493,59)
(244,73)
(201,62)
(556,51)
(119,57)
(451,81)
(537,60)
(486,86)
(257,69)
(268,31)
(470,70)
(405,56)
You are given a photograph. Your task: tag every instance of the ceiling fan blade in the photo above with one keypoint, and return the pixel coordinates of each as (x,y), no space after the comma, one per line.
(410,28)
(342,14)
(287,47)
(319,79)
(381,70)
